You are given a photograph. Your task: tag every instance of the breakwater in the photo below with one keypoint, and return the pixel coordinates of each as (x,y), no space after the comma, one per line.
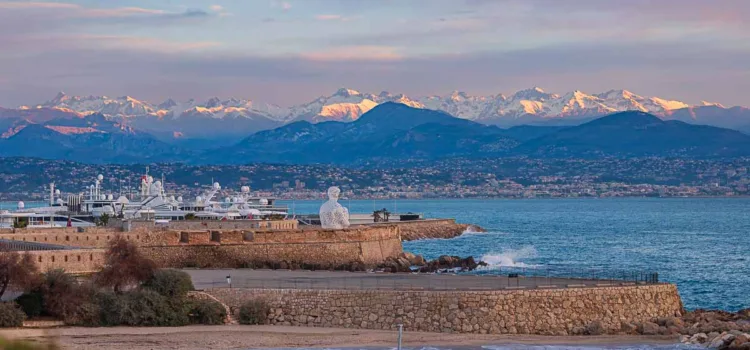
(539,311)
(433,228)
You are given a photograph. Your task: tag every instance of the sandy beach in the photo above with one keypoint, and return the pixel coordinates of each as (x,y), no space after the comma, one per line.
(245,337)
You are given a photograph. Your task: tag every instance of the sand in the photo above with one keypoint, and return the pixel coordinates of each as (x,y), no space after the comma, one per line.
(245,337)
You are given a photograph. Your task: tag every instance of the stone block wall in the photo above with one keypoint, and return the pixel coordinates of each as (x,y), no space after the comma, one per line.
(96,239)
(72,261)
(546,312)
(369,245)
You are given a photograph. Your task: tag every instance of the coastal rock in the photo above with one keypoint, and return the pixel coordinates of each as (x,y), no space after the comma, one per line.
(648,328)
(721,341)
(628,328)
(699,338)
(446,262)
(740,340)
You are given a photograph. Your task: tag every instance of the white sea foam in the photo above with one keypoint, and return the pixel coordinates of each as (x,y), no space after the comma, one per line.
(510,257)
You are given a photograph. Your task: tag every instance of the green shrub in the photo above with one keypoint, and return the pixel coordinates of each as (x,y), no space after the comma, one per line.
(111,308)
(31,303)
(11,315)
(170,283)
(149,308)
(60,294)
(208,312)
(254,312)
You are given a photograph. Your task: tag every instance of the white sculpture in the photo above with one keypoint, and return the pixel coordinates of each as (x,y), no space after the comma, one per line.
(332,214)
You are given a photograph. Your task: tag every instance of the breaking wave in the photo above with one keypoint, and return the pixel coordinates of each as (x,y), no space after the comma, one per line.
(510,257)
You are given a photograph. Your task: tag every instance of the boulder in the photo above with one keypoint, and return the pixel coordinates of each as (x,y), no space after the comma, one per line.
(721,341)
(740,340)
(594,328)
(628,328)
(699,338)
(648,328)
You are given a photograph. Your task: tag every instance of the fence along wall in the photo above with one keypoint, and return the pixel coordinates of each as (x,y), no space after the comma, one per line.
(546,312)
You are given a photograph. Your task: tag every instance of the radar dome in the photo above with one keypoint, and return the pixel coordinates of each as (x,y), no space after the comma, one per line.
(21,205)
(171,198)
(217,186)
(100,177)
(179,199)
(199,199)
(245,189)
(57,192)
(227,199)
(263,201)
(60,202)
(123,200)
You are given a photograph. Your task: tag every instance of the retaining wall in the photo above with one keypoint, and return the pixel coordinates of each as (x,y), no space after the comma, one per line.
(547,312)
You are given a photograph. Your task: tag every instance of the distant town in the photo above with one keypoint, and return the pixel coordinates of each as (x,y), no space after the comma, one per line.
(27,178)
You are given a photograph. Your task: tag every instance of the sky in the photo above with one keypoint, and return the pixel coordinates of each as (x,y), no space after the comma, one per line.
(292,51)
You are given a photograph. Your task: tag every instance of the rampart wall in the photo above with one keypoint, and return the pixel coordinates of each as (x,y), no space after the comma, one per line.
(539,311)
(72,261)
(368,245)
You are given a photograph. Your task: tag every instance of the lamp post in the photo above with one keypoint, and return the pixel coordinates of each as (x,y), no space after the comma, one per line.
(229,281)
(400,333)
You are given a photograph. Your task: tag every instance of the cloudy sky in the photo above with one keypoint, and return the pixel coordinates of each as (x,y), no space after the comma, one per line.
(291,51)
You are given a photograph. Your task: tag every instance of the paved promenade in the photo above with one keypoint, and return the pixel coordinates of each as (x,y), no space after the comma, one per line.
(284,279)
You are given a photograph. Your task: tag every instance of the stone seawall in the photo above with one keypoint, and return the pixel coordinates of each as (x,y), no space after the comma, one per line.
(432,228)
(546,312)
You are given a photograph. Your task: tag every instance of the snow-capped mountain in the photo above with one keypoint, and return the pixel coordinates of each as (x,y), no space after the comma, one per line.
(233,117)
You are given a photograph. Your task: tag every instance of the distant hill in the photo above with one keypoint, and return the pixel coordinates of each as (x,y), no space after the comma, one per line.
(391,130)
(638,134)
(91,139)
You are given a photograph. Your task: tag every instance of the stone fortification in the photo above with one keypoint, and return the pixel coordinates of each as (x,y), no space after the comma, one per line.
(324,248)
(548,312)
(72,261)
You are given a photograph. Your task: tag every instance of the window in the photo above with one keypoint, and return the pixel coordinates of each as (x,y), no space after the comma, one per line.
(215,236)
(53,258)
(66,258)
(247,236)
(79,258)
(184,237)
(40,259)
(91,257)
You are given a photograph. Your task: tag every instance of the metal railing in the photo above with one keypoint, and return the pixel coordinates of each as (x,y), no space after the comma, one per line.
(327,280)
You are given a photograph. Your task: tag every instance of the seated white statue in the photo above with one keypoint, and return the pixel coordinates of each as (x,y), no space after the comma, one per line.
(332,214)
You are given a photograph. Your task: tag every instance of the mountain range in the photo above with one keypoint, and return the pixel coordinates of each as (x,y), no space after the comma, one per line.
(220,122)
(390,131)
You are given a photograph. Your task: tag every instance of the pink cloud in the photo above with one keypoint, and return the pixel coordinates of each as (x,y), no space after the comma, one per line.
(355,53)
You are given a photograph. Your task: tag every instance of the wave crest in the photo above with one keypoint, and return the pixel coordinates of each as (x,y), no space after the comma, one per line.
(511,257)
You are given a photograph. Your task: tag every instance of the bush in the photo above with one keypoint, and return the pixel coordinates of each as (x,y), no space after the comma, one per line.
(60,293)
(31,303)
(149,308)
(208,312)
(11,315)
(254,312)
(125,266)
(170,283)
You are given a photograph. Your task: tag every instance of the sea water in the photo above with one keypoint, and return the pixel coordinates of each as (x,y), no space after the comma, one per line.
(701,244)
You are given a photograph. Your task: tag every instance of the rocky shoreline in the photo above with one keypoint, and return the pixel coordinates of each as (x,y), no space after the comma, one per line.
(408,262)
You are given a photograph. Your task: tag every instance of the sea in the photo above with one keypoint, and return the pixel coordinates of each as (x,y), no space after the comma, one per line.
(701,244)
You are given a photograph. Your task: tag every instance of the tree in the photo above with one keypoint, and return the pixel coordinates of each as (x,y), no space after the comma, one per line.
(125,266)
(103,219)
(17,271)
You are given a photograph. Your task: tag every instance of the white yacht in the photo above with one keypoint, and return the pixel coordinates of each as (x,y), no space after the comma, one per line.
(152,203)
